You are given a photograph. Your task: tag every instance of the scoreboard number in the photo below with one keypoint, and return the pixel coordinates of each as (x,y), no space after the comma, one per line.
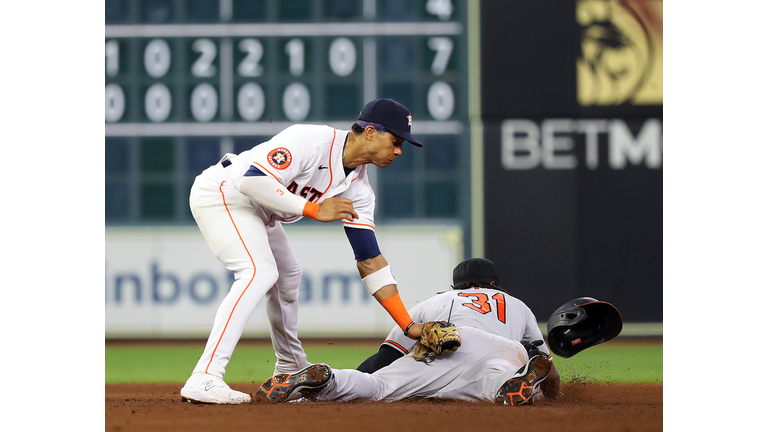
(204,102)
(115,103)
(442,8)
(254,51)
(295,50)
(296,102)
(440,101)
(203,67)
(157,58)
(342,56)
(250,102)
(157,102)
(112,55)
(443,48)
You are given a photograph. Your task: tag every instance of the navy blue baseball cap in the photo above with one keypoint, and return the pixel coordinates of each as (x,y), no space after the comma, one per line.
(391,114)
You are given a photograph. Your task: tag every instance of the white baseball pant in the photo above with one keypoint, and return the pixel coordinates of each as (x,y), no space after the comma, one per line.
(262,263)
(474,372)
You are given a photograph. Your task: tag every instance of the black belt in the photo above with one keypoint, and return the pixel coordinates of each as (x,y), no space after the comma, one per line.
(226,162)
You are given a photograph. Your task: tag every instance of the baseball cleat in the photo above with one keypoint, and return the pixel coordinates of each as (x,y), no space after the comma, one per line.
(284,387)
(519,389)
(210,389)
(287,369)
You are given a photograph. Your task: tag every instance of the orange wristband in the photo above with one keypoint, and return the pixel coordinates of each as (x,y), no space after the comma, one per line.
(394,305)
(311,209)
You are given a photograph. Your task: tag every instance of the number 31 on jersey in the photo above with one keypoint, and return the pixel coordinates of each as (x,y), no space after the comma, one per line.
(479,303)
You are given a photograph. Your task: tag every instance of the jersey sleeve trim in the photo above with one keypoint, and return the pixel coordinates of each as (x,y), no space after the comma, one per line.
(267,171)
(359,225)
(254,172)
(396,345)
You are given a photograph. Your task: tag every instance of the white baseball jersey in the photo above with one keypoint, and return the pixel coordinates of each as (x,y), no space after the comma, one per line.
(307,160)
(487,309)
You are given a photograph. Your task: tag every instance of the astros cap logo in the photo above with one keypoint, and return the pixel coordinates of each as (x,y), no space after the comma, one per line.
(409,120)
(279,158)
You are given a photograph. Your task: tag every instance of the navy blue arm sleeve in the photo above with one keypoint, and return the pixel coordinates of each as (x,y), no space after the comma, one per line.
(384,357)
(363,242)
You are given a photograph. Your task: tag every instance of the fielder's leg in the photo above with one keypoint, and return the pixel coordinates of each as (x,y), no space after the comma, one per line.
(238,238)
(283,305)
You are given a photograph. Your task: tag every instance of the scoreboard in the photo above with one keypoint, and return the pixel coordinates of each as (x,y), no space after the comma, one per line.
(236,72)
(162,78)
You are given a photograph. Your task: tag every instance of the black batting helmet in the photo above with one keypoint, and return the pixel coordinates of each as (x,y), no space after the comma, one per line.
(580,324)
(477,272)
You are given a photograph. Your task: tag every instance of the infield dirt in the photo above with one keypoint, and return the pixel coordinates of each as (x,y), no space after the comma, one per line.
(583,406)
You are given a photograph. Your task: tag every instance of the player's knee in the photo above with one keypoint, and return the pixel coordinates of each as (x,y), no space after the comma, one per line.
(268,275)
(265,274)
(288,284)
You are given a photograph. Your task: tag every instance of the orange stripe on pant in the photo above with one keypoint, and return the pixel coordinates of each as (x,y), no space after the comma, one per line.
(246,287)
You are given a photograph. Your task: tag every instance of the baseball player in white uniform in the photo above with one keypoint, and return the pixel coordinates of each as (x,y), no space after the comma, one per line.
(240,205)
(492,363)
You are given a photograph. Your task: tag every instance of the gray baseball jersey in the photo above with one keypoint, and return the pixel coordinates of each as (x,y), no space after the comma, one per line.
(492,325)
(490,310)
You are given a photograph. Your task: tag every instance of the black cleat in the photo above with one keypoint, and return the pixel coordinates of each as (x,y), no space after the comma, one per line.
(518,390)
(280,388)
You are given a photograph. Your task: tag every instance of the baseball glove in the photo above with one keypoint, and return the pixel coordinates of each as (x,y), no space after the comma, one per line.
(438,338)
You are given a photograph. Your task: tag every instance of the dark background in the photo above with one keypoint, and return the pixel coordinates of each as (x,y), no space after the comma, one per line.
(560,234)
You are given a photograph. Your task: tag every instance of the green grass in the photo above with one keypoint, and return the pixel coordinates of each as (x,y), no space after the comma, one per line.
(615,361)
(250,362)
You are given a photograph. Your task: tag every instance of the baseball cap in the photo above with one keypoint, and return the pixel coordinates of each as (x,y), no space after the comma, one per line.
(479,270)
(391,114)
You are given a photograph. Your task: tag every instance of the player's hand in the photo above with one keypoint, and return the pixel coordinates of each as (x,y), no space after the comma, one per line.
(415,331)
(334,209)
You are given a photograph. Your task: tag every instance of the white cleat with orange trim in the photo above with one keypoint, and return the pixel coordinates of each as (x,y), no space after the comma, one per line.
(210,389)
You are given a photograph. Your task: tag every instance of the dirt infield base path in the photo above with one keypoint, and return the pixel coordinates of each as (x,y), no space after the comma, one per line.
(583,407)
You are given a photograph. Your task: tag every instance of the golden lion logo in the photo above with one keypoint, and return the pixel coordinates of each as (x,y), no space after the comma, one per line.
(621,52)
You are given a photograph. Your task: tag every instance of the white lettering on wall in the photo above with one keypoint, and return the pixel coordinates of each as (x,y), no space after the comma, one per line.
(555,138)
(557,144)
(623,147)
(520,144)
